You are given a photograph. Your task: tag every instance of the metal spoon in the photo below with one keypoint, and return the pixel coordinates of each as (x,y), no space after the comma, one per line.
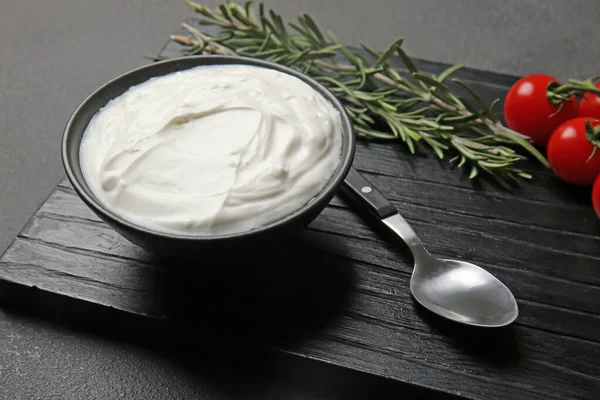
(457,290)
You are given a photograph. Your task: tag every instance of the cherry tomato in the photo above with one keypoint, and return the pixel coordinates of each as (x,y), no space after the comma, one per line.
(569,151)
(590,105)
(528,111)
(596,196)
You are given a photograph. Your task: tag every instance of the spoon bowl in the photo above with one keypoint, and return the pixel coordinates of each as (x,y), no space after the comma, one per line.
(462,292)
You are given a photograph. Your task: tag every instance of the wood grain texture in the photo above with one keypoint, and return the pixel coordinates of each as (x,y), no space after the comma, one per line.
(340,293)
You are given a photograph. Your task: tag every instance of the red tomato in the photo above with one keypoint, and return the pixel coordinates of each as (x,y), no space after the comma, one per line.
(528,111)
(590,105)
(569,151)
(596,196)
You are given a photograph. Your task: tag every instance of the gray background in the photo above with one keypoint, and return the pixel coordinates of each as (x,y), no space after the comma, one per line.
(56,52)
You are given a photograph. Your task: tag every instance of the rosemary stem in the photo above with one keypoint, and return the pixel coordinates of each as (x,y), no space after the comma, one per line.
(208,40)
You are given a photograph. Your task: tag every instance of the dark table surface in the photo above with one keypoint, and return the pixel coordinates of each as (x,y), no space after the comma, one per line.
(61,56)
(59,358)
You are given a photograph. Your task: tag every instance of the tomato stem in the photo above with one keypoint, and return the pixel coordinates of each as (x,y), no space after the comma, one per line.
(558,93)
(593,135)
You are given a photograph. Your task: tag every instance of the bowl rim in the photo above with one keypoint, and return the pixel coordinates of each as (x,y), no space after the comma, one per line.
(90,199)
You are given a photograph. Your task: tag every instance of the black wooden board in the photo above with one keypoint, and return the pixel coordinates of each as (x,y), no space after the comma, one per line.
(340,292)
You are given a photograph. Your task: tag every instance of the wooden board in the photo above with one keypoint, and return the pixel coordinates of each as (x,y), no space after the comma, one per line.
(340,293)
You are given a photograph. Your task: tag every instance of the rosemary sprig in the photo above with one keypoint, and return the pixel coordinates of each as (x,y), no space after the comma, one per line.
(425,113)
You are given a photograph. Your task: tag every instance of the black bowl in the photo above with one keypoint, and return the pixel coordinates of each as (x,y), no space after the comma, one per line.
(179,244)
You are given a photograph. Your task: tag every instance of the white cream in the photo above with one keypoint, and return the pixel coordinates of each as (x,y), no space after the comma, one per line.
(212,149)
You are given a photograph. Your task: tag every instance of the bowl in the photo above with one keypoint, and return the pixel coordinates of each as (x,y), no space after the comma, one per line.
(188,245)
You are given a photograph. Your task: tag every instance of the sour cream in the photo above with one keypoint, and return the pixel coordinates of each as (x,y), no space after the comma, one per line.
(217,149)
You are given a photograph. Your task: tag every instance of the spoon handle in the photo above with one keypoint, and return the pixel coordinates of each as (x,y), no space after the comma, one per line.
(365,195)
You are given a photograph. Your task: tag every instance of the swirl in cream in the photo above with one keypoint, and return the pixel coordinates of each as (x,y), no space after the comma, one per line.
(212,149)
